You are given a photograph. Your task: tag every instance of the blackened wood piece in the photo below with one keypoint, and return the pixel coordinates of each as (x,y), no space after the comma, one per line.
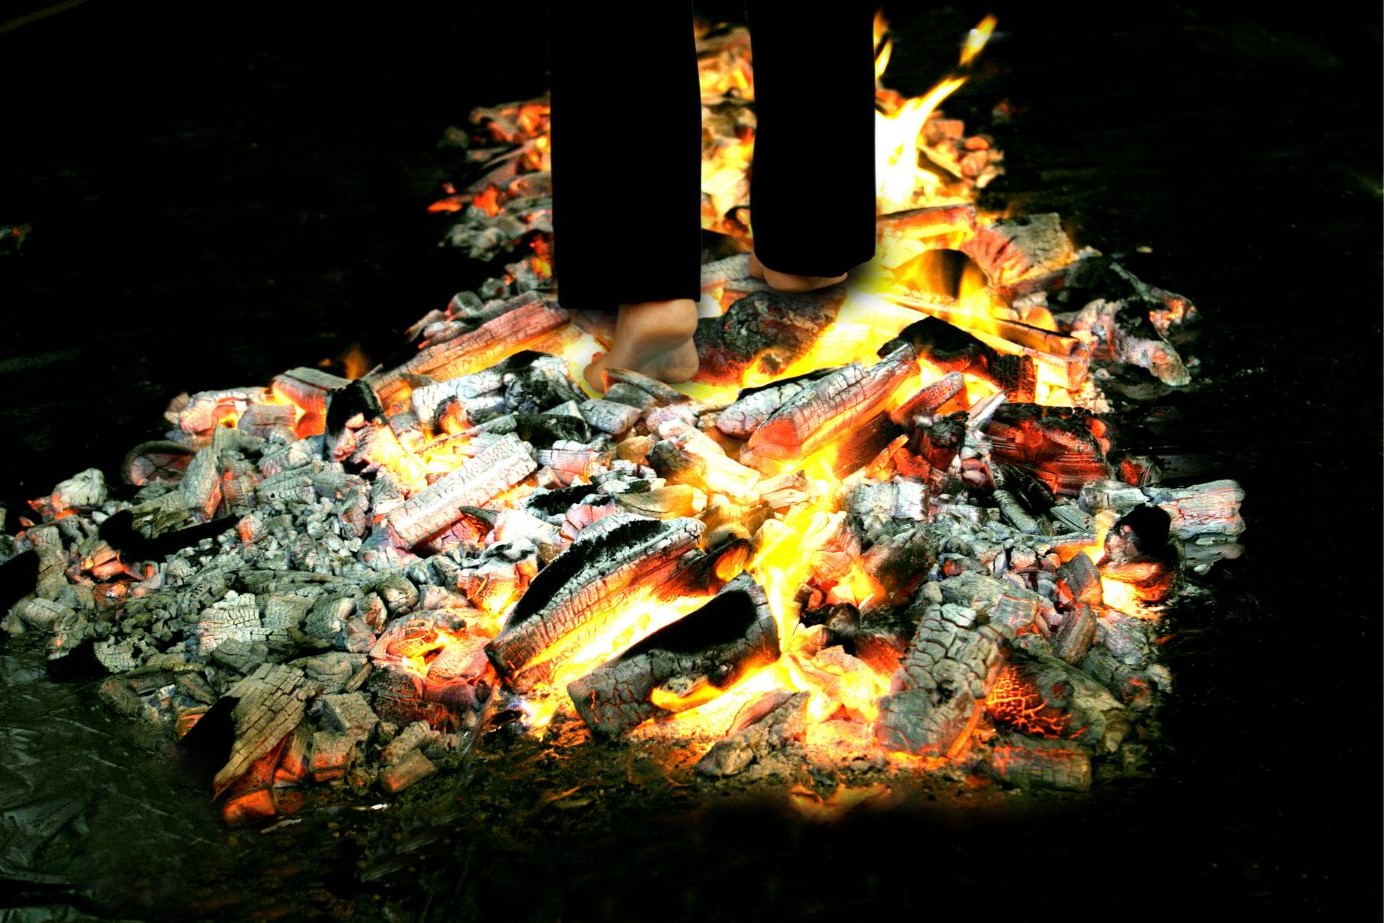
(847,399)
(1058,445)
(1075,635)
(618,696)
(1078,583)
(766,328)
(269,704)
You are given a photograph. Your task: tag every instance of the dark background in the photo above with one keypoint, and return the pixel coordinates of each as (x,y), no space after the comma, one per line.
(223,192)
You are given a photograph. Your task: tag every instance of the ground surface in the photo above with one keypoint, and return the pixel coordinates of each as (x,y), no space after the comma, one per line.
(209,210)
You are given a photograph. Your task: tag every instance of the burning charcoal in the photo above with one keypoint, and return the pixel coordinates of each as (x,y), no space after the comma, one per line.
(236,616)
(925,402)
(348,713)
(471,352)
(207,410)
(686,455)
(541,384)
(332,755)
(748,743)
(1059,768)
(1044,697)
(570,462)
(1013,249)
(1076,634)
(332,670)
(307,388)
(904,235)
(669,502)
(751,409)
(1078,583)
(621,393)
(608,416)
(1058,445)
(844,400)
(160,461)
(268,705)
(268,420)
(679,667)
(942,683)
(83,491)
(414,767)
(1123,659)
(543,430)
(660,392)
(494,469)
(574,598)
(767,329)
(1203,509)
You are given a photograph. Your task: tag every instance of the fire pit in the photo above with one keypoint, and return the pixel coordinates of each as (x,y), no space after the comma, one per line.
(887,529)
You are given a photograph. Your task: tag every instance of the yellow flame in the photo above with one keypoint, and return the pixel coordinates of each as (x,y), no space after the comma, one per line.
(896,146)
(976,39)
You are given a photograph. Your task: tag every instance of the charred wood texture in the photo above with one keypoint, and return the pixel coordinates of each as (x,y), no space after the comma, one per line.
(1061,446)
(624,693)
(941,684)
(1044,697)
(767,329)
(844,400)
(269,704)
(773,723)
(1058,768)
(471,352)
(574,597)
(496,468)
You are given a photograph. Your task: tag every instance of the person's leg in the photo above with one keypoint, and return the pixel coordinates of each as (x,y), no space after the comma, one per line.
(812,193)
(626,157)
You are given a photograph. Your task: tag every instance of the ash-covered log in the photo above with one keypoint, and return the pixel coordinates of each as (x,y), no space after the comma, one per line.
(1044,697)
(494,469)
(688,663)
(772,723)
(1066,769)
(489,343)
(948,348)
(941,687)
(768,330)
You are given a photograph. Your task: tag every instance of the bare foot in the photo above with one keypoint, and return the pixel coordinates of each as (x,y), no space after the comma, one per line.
(789,283)
(653,338)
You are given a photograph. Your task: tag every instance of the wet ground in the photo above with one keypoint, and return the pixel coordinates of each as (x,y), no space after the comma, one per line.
(218,195)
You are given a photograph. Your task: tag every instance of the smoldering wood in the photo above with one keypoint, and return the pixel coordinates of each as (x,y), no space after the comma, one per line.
(569,599)
(660,392)
(927,400)
(471,352)
(680,661)
(1012,249)
(941,684)
(1078,582)
(1056,445)
(758,735)
(1212,508)
(1076,634)
(1045,697)
(307,387)
(268,705)
(1117,340)
(496,468)
(1064,769)
(746,414)
(768,329)
(609,416)
(672,501)
(814,416)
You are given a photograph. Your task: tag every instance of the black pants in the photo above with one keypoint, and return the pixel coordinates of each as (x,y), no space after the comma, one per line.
(626,146)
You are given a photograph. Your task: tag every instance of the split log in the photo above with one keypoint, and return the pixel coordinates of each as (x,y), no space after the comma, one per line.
(1012,249)
(768,330)
(496,468)
(1212,508)
(842,401)
(677,668)
(749,411)
(1076,634)
(573,599)
(471,352)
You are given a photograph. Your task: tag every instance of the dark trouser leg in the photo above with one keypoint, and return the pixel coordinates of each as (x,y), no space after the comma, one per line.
(812,195)
(626,153)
